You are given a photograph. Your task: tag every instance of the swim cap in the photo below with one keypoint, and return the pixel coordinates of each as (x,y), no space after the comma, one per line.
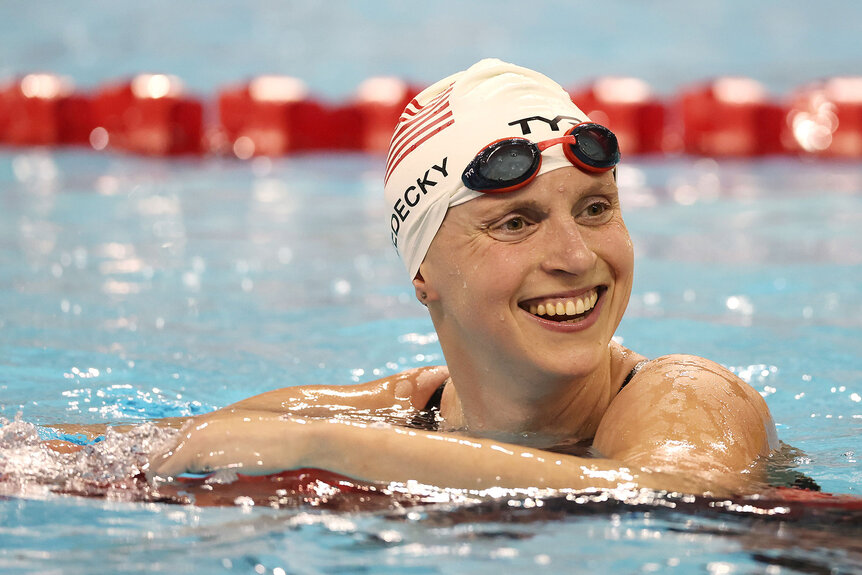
(446,125)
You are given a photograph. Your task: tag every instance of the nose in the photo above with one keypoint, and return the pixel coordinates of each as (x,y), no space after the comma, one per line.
(566,249)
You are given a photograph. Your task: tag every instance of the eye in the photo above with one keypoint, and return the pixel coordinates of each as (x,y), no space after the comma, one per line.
(513,227)
(515,224)
(596,209)
(597,212)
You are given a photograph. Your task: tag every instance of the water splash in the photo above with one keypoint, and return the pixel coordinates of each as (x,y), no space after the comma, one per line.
(112,468)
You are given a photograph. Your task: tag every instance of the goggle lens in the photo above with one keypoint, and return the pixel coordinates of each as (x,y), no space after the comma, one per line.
(503,165)
(596,149)
(508,162)
(511,163)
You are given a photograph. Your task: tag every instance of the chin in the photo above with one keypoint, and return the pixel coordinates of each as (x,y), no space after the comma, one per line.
(576,362)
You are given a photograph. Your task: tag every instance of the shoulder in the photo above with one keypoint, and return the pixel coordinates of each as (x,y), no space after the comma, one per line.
(408,389)
(684,400)
(688,382)
(690,377)
(419,384)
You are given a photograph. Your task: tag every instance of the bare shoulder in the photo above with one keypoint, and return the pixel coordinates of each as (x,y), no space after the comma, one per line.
(690,373)
(420,383)
(682,406)
(410,388)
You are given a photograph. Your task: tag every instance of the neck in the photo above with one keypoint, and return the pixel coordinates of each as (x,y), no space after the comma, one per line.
(530,410)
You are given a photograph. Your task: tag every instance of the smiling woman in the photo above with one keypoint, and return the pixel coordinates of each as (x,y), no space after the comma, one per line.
(506,213)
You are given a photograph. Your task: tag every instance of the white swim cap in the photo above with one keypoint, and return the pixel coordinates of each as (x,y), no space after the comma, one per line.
(443,129)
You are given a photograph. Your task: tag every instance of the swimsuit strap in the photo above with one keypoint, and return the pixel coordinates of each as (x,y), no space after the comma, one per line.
(426,418)
(434,401)
(632,373)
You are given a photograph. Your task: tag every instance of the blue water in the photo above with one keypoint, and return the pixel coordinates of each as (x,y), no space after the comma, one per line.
(136,288)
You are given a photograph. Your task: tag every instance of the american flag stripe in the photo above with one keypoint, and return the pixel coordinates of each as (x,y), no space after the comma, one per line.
(416,143)
(416,130)
(417,124)
(414,107)
(407,126)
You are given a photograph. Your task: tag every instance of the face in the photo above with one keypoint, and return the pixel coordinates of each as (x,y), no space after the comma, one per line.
(533,281)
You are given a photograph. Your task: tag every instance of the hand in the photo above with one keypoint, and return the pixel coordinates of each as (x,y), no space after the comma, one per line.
(249,442)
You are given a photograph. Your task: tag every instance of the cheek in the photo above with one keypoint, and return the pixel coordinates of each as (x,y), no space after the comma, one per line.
(613,245)
(627,256)
(503,268)
(480,290)
(452,279)
(621,259)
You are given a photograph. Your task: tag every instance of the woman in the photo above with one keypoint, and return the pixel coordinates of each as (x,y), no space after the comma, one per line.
(506,214)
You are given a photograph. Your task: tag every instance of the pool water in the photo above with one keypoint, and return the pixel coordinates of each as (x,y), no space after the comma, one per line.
(133,289)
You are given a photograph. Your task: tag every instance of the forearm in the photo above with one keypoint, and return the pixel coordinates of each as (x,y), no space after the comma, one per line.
(255,443)
(451,460)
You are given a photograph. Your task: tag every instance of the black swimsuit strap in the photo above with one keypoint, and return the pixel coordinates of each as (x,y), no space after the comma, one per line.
(426,418)
(633,373)
(434,401)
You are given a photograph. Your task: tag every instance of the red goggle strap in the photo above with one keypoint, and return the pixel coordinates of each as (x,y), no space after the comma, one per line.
(569,139)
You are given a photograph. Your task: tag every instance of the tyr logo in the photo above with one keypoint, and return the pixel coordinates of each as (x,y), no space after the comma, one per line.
(553,123)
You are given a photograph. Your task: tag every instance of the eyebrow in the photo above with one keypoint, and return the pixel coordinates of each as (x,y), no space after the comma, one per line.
(508,202)
(501,204)
(599,185)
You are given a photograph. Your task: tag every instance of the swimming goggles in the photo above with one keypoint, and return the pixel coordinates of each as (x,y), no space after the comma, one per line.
(512,163)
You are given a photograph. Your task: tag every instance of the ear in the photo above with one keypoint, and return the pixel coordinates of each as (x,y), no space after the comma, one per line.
(424,292)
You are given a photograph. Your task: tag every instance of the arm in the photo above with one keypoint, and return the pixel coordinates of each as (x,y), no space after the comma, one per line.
(255,443)
(408,390)
(685,424)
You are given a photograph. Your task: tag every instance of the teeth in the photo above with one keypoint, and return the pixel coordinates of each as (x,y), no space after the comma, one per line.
(572,307)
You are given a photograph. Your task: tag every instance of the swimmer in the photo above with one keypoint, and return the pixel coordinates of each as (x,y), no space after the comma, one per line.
(505,211)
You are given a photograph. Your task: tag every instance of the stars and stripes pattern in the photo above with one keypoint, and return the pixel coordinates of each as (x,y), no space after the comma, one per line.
(416,125)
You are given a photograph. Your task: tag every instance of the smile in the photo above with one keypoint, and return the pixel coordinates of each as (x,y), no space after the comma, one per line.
(565,310)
